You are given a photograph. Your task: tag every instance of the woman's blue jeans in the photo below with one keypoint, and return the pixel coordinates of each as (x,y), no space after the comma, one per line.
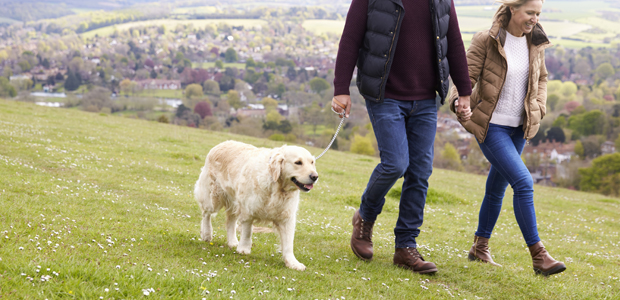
(502,147)
(405,132)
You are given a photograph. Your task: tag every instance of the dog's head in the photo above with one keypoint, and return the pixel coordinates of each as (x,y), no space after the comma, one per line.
(295,165)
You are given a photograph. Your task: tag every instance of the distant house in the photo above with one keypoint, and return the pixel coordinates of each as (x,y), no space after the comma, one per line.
(608,147)
(159,84)
(20,77)
(253,110)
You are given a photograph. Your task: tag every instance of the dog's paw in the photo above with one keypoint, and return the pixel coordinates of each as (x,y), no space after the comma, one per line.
(242,250)
(233,245)
(206,237)
(296,266)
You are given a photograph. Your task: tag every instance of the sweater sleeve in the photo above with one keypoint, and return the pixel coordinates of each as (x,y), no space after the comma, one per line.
(456,56)
(350,43)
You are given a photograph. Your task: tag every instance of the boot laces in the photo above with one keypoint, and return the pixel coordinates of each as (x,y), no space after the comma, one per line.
(366,230)
(414,253)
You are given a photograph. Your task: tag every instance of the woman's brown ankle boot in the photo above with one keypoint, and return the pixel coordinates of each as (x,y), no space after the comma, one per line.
(543,262)
(480,251)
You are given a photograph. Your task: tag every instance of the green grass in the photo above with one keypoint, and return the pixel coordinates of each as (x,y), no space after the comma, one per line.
(171,23)
(101,203)
(206,65)
(324,26)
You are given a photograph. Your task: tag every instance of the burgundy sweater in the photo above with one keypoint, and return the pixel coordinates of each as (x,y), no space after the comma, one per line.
(413,72)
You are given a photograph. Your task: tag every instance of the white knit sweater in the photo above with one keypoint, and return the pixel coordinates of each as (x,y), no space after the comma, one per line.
(509,110)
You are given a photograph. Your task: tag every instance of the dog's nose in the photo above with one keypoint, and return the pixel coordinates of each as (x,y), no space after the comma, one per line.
(314,177)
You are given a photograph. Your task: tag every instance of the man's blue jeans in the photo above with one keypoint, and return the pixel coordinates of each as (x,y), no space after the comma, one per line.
(405,132)
(502,147)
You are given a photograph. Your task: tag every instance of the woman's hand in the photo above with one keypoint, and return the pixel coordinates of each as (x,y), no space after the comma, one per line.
(342,103)
(463,110)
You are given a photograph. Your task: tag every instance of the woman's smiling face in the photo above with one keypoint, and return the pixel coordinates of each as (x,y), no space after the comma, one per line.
(524,18)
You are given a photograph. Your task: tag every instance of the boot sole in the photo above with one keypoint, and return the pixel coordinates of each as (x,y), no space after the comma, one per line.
(359,256)
(558,269)
(429,271)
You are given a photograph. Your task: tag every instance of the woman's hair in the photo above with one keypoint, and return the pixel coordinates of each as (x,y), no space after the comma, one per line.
(503,14)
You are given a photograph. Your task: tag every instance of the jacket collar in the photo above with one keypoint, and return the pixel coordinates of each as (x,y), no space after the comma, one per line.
(398,2)
(536,37)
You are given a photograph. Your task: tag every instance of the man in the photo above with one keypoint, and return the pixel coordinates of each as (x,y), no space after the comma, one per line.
(404,52)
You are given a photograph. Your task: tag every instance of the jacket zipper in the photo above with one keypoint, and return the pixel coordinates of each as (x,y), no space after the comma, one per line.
(389,52)
(500,91)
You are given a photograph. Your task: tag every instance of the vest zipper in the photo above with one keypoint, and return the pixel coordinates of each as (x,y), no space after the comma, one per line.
(389,53)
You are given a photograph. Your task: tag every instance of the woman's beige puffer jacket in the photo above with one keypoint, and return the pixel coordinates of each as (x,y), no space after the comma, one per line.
(487,66)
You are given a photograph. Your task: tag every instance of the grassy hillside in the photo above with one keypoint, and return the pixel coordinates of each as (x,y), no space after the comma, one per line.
(101,206)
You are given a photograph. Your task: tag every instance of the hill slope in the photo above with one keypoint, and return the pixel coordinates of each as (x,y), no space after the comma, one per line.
(100,206)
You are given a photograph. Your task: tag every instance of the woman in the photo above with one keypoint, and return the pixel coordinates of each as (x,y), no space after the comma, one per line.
(507,71)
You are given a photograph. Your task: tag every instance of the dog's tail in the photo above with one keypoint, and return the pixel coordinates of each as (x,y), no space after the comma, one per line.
(201,190)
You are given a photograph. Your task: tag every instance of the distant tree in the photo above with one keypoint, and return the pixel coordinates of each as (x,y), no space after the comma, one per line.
(579,151)
(270,103)
(231,55)
(272,120)
(554,86)
(72,83)
(126,86)
(552,101)
(318,84)
(193,91)
(219,64)
(211,87)
(603,176)
(591,146)
(285,126)
(203,108)
(234,100)
(227,81)
(556,134)
(450,158)
(617,143)
(559,122)
(6,89)
(153,74)
(51,80)
(59,77)
(568,89)
(291,73)
(249,63)
(605,70)
(149,63)
(45,63)
(182,110)
(97,99)
(163,119)
(312,114)
(362,145)
(24,65)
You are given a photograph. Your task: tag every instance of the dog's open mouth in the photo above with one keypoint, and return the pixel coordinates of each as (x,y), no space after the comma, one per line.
(301,186)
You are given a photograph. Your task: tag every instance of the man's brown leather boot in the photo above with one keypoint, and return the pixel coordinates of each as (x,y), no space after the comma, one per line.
(543,262)
(409,258)
(480,251)
(361,239)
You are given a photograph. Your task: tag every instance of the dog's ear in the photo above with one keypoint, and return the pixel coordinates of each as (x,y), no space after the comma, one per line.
(275,165)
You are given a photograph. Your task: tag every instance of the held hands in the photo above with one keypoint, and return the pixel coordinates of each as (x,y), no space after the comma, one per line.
(463,110)
(342,103)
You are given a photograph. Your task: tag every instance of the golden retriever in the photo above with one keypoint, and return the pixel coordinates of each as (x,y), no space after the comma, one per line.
(255,184)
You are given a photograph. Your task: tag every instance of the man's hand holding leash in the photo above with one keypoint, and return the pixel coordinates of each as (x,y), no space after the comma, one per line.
(342,103)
